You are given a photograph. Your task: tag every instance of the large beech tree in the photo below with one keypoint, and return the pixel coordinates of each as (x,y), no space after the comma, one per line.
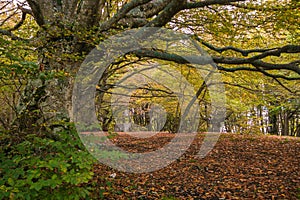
(69,29)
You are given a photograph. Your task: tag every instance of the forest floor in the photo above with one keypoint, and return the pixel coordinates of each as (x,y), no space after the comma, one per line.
(239,167)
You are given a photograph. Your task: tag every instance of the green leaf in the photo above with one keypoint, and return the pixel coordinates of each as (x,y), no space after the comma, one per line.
(10,181)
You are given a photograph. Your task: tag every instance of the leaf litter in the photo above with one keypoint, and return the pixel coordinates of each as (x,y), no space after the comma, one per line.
(239,167)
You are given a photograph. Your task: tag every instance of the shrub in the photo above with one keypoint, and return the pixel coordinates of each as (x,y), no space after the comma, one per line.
(45,166)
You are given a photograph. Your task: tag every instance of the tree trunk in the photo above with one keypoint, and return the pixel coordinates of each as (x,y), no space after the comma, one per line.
(273,121)
(285,123)
(46,100)
(48,97)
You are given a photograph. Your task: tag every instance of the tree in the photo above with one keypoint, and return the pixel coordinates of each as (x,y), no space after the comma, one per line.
(70,29)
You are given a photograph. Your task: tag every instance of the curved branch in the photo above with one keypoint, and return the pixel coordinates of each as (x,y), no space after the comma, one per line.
(9,17)
(139,16)
(36,12)
(293,66)
(18,25)
(202,4)
(149,9)
(259,65)
(122,13)
(25,10)
(5,5)
(220,50)
(275,77)
(235,85)
(167,13)
(261,8)
(265,52)
(24,13)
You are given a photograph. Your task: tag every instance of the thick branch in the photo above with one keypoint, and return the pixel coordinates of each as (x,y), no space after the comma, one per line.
(167,13)
(139,16)
(293,66)
(256,60)
(149,9)
(37,12)
(88,12)
(259,65)
(202,4)
(25,10)
(122,13)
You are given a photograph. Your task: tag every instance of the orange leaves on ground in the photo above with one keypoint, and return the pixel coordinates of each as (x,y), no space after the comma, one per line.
(239,167)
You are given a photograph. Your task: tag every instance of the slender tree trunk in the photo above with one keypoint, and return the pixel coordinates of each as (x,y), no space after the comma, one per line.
(286,123)
(274,126)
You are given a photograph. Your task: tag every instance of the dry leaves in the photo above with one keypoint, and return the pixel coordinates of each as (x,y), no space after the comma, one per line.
(239,167)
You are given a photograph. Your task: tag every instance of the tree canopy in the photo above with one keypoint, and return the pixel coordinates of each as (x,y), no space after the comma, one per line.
(245,39)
